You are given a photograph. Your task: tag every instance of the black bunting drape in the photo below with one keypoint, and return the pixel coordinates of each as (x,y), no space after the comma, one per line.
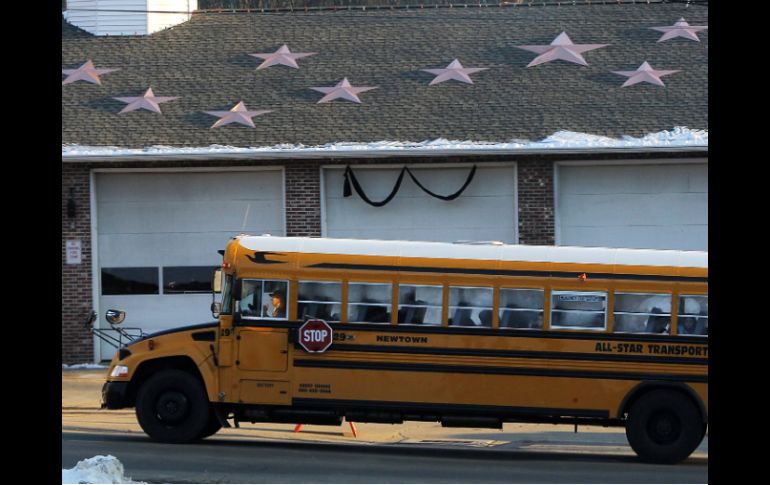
(350,179)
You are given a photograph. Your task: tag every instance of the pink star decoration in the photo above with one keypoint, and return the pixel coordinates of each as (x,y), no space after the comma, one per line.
(455,71)
(147,101)
(342,90)
(87,72)
(282,56)
(644,74)
(680,29)
(562,48)
(237,114)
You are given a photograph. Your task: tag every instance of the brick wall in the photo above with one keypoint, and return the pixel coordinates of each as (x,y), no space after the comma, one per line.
(77,343)
(536,206)
(303,199)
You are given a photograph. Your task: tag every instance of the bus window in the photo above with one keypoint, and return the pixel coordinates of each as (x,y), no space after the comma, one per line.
(264,299)
(471,307)
(579,310)
(319,299)
(369,302)
(420,304)
(693,315)
(643,313)
(521,308)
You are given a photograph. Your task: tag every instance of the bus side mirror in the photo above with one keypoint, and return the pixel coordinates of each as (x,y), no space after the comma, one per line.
(115,317)
(216,309)
(216,283)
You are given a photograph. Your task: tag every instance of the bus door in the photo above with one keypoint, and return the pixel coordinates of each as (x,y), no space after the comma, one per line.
(261,353)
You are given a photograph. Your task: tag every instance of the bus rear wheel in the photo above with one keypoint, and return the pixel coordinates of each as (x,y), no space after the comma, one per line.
(664,426)
(172,407)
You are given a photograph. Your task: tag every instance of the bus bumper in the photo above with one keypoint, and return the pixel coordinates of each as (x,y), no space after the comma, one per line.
(114,395)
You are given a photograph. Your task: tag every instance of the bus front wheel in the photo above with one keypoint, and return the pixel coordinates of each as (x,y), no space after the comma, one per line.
(664,426)
(172,407)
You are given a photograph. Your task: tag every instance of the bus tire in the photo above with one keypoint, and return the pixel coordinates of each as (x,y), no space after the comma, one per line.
(212,426)
(664,426)
(172,407)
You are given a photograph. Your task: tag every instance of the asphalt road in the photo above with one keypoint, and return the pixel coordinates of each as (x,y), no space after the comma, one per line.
(251,461)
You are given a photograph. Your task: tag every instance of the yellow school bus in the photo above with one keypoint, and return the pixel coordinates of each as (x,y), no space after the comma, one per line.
(468,335)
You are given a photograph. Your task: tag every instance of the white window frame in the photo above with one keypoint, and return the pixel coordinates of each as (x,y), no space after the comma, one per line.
(556,293)
(669,314)
(328,282)
(262,292)
(406,305)
(680,315)
(389,305)
(480,308)
(501,308)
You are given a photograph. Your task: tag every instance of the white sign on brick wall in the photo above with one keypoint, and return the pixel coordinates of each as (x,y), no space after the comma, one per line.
(73,251)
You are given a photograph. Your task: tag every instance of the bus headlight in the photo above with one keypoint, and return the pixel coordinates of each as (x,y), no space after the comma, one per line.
(119,371)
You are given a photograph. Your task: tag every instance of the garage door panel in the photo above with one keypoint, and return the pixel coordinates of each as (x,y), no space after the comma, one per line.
(486,210)
(378,183)
(417,234)
(153,313)
(698,181)
(690,237)
(658,206)
(664,209)
(421,212)
(161,186)
(630,179)
(196,249)
(187,216)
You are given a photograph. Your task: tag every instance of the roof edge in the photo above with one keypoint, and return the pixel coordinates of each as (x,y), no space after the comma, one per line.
(173,155)
(680,139)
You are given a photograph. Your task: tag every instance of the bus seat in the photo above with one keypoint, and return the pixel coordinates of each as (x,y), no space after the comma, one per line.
(485,317)
(657,323)
(462,316)
(412,314)
(701,326)
(376,314)
(514,319)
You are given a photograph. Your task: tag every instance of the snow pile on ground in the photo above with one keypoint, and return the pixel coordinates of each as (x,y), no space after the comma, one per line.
(99,469)
(679,137)
(83,366)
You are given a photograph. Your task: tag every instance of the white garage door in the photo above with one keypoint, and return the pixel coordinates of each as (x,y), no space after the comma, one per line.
(485,211)
(652,206)
(159,233)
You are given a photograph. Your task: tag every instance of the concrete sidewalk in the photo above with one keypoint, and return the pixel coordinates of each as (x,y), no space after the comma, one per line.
(81,412)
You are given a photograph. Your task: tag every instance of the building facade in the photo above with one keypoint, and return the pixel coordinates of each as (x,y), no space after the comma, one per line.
(148,198)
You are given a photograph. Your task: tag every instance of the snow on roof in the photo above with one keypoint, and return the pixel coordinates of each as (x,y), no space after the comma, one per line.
(676,139)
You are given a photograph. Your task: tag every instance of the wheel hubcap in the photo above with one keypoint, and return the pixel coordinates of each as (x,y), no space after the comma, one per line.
(664,427)
(172,407)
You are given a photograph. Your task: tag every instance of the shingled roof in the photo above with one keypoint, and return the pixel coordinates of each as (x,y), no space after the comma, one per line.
(206,63)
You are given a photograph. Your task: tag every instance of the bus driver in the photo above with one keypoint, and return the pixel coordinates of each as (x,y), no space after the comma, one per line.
(279,309)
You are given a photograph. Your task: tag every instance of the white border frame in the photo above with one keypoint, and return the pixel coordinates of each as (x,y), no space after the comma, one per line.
(96,283)
(584,163)
(391,166)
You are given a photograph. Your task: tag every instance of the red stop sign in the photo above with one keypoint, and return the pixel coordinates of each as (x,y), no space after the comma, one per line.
(315,336)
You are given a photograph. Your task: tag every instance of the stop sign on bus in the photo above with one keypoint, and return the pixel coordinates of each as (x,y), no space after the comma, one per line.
(315,336)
